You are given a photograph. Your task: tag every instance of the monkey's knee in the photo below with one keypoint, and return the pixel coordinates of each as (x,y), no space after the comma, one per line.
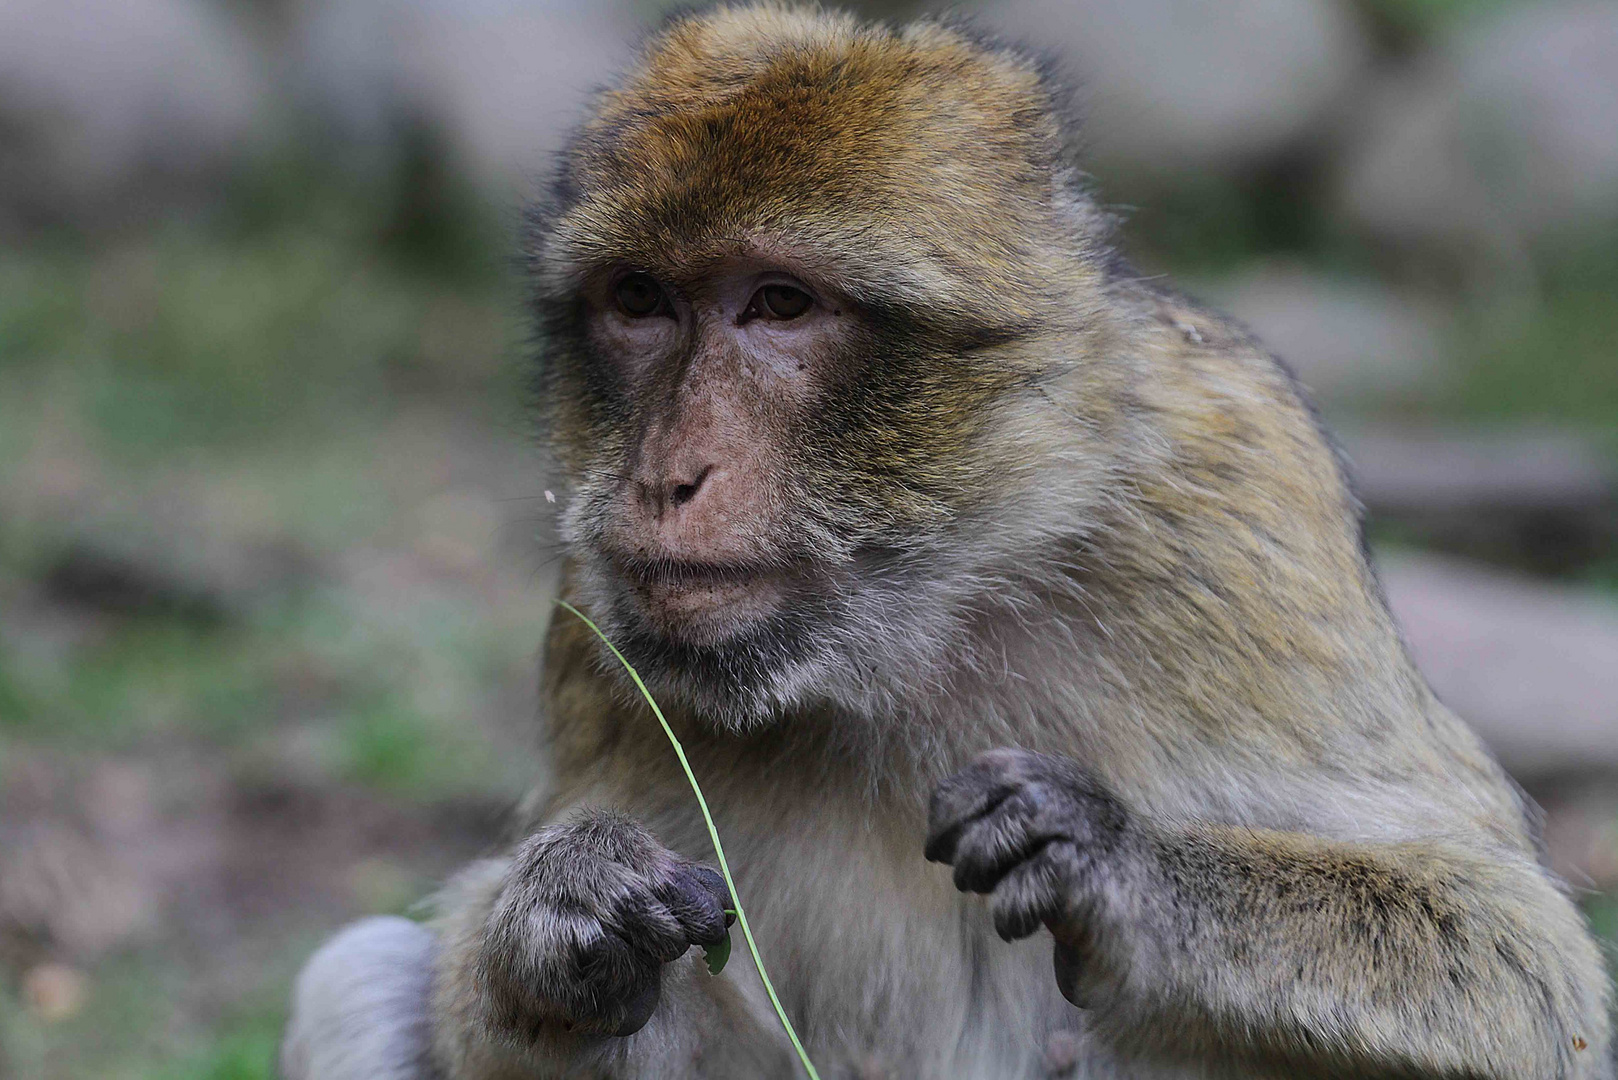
(360,1006)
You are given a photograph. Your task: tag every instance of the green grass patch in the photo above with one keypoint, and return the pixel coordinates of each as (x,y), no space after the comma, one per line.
(15,708)
(245,1050)
(144,1020)
(308,299)
(142,679)
(1555,362)
(389,746)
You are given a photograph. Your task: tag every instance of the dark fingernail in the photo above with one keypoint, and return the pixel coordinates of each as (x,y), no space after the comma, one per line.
(1067,964)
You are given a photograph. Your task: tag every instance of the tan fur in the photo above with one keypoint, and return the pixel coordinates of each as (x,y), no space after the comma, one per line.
(1124,541)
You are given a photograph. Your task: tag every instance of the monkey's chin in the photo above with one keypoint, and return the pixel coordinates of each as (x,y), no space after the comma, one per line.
(733,648)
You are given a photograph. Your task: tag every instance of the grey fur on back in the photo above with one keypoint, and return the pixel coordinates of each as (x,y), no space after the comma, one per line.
(359,1007)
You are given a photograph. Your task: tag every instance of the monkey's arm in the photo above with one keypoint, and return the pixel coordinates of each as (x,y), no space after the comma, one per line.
(1279,949)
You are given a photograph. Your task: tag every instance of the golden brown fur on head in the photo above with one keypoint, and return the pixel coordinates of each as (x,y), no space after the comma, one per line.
(798,138)
(806,134)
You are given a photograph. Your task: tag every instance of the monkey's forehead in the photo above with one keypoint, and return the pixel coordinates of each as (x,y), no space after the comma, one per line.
(910,160)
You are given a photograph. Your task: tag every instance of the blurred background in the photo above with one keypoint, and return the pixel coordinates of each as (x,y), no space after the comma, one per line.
(274,554)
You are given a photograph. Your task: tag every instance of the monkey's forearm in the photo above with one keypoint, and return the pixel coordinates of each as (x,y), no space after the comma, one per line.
(1371,959)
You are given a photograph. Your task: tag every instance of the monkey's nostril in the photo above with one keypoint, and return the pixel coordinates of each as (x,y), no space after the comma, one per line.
(684,493)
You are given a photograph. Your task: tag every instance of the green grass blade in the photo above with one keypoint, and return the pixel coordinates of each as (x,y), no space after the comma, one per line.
(713,834)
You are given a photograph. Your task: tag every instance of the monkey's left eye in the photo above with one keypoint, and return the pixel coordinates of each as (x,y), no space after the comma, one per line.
(639,295)
(782,301)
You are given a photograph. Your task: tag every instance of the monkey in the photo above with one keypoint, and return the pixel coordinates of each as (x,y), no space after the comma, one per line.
(1014,613)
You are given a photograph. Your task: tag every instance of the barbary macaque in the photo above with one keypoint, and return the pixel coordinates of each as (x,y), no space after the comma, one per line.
(1013,612)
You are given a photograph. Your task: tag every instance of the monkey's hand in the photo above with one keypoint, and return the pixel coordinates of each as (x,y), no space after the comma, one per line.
(587,915)
(1041,835)
(1429,958)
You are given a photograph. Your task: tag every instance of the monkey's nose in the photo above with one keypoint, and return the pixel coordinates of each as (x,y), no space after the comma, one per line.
(674,490)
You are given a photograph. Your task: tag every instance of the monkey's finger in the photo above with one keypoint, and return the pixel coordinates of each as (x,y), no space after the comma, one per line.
(645,923)
(1029,896)
(608,979)
(697,897)
(1013,765)
(1006,836)
(980,787)
(639,1009)
(958,801)
(1068,963)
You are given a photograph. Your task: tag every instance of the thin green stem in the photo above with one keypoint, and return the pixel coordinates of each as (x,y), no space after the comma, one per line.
(713,834)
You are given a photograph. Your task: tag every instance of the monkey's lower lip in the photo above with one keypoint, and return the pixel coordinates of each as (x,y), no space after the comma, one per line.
(706,604)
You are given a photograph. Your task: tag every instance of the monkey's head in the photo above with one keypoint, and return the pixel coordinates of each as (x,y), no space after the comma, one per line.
(801,289)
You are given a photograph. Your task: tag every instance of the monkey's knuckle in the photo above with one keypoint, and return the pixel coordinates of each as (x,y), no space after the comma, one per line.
(954,795)
(1016,915)
(592,836)
(650,927)
(605,963)
(972,875)
(697,901)
(1006,759)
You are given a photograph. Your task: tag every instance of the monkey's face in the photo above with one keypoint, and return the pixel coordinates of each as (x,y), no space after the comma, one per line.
(755,451)
(792,311)
(714,378)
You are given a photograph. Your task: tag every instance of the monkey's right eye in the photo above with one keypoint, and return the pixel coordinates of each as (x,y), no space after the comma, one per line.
(639,296)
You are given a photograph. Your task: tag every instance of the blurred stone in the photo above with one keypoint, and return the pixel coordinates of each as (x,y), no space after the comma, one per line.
(1439,471)
(55,992)
(1506,133)
(96,95)
(1581,831)
(1343,339)
(188,542)
(380,884)
(504,78)
(1532,667)
(63,888)
(1185,83)
(120,799)
(459,529)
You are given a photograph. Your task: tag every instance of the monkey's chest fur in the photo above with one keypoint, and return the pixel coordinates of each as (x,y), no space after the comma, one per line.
(886,969)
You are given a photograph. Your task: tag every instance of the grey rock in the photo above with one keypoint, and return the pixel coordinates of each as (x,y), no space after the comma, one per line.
(1439,471)
(1343,339)
(1505,134)
(1532,667)
(96,95)
(62,885)
(504,79)
(1185,83)
(1581,829)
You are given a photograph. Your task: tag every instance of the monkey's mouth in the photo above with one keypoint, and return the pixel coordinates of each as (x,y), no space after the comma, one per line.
(702,603)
